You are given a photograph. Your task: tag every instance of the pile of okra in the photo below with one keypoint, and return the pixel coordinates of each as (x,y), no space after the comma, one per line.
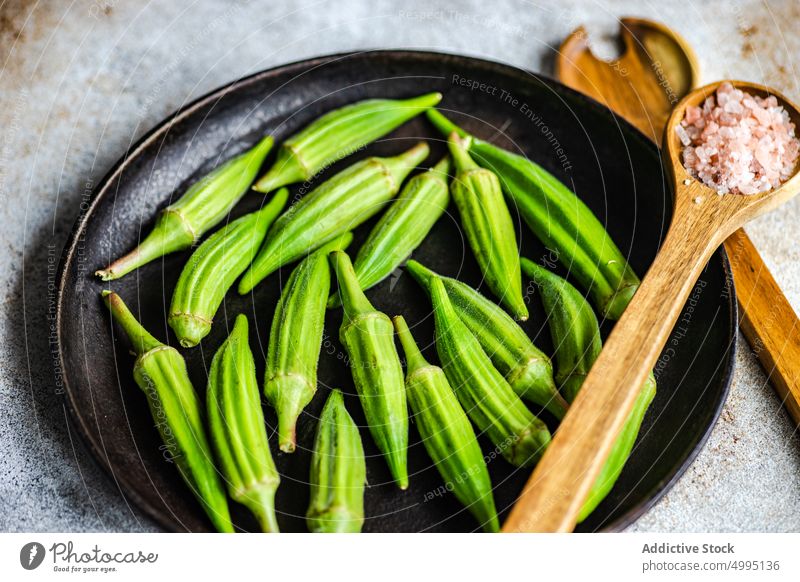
(488,366)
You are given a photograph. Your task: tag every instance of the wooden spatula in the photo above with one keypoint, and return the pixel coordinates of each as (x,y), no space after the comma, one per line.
(701,221)
(656,69)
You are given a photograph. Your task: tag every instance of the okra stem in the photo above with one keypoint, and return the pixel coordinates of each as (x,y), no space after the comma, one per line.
(171,233)
(203,206)
(352,296)
(444,125)
(398,167)
(414,358)
(140,338)
(262,506)
(458,149)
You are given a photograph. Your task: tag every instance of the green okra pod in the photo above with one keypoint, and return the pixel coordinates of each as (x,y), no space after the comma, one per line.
(621,450)
(488,227)
(337,206)
(573,327)
(295,339)
(368,337)
(338,472)
(403,227)
(236,423)
(560,220)
(576,335)
(338,134)
(525,367)
(213,268)
(484,394)
(204,205)
(446,432)
(160,372)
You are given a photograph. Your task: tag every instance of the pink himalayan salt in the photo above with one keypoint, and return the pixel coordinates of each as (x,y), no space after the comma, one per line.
(738,143)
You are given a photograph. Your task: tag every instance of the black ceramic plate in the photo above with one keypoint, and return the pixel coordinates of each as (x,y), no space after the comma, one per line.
(612,167)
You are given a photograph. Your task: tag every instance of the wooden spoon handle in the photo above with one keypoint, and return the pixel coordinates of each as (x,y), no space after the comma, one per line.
(635,86)
(559,485)
(767,320)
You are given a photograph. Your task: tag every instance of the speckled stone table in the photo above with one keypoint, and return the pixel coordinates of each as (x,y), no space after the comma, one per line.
(81,81)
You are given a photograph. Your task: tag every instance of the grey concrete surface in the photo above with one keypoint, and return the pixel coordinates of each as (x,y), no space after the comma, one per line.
(80,81)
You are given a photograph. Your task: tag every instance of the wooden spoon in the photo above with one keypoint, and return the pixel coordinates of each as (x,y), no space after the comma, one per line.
(656,69)
(701,221)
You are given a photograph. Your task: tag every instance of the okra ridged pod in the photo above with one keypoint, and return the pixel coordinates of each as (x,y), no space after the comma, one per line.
(403,227)
(368,337)
(573,327)
(576,335)
(621,450)
(337,206)
(488,227)
(446,432)
(204,205)
(236,423)
(560,220)
(487,398)
(338,134)
(525,367)
(160,371)
(338,472)
(295,339)
(213,268)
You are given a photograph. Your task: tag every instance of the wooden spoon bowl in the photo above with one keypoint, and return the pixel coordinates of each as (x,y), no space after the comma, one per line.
(655,70)
(697,194)
(702,220)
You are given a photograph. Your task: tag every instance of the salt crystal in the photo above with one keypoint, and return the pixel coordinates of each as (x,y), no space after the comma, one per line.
(738,143)
(684,137)
(733,107)
(762,116)
(724,88)
(693,114)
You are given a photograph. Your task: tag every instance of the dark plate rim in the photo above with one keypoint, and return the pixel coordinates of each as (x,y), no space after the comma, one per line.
(162,128)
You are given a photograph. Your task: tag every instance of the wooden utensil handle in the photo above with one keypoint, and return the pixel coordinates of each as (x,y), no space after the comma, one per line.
(555,492)
(767,320)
